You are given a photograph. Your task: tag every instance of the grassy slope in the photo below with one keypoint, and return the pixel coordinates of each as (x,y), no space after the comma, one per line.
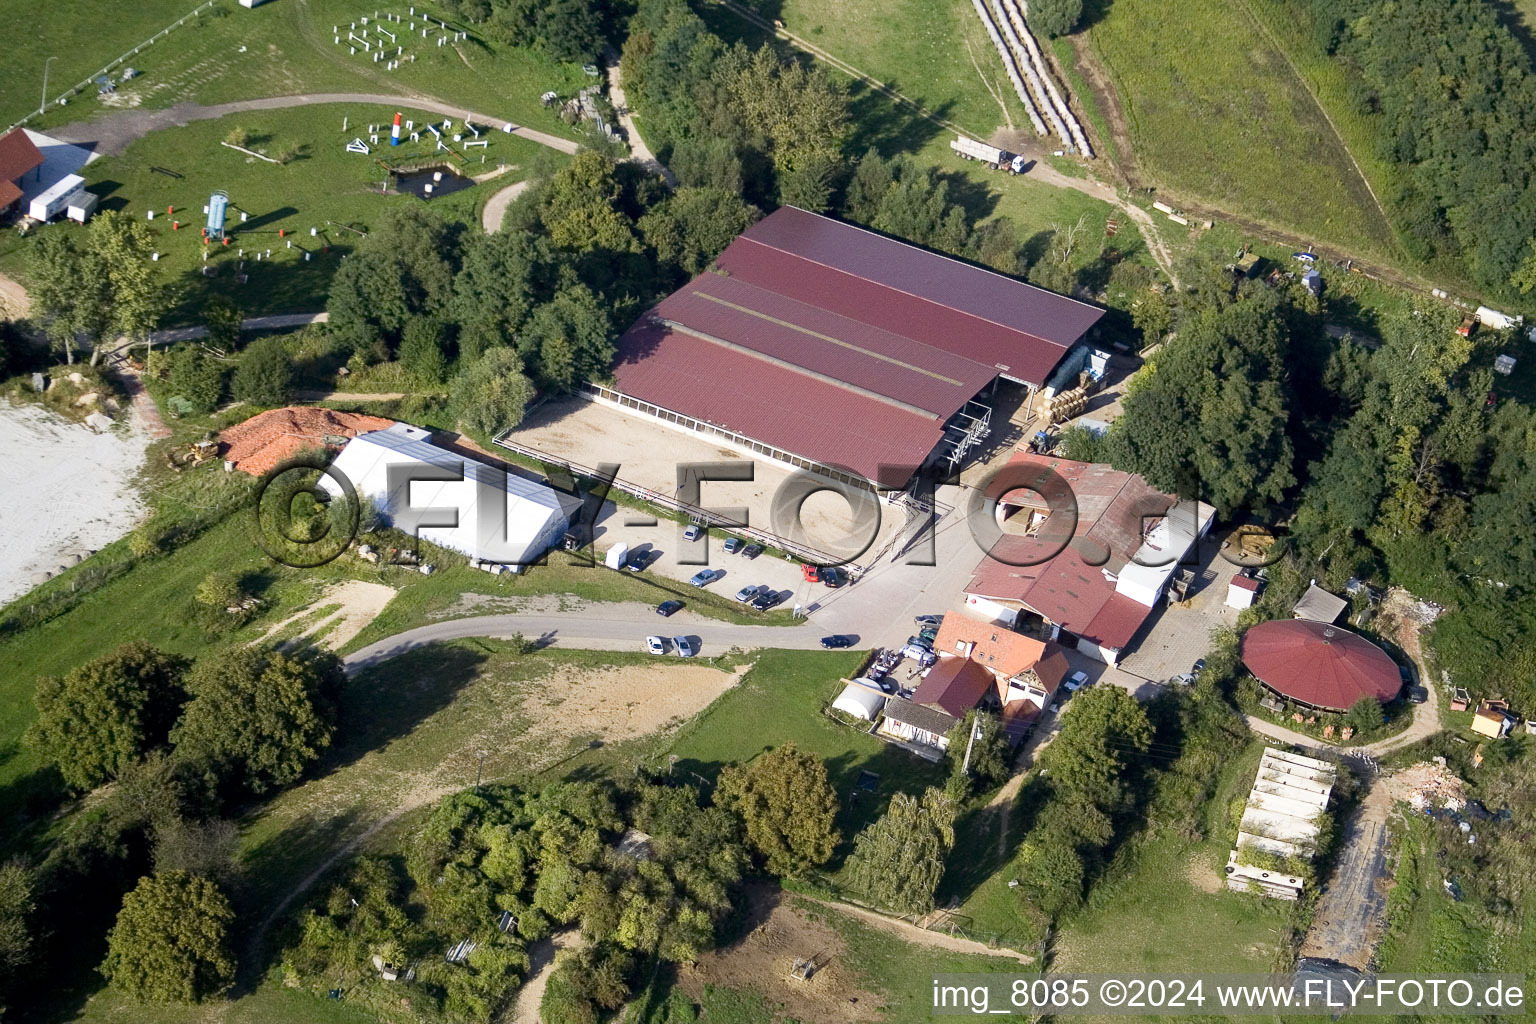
(152,601)
(922,48)
(1217,113)
(322,187)
(58,28)
(1140,914)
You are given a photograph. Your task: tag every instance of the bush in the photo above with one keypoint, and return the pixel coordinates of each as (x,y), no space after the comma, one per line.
(264,373)
(197,377)
(493,393)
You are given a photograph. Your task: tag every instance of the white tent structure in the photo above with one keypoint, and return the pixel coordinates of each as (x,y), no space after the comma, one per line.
(479,509)
(860,700)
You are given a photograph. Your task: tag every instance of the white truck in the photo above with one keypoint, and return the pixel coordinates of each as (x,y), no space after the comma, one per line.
(993,157)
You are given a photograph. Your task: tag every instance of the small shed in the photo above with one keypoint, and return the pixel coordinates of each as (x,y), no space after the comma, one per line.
(1492,719)
(1313,281)
(1242,591)
(1318,605)
(860,701)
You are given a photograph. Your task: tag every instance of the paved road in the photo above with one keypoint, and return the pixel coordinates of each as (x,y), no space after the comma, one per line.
(602,627)
(115,132)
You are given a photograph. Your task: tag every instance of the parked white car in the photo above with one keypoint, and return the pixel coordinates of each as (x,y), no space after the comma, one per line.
(656,645)
(1077,681)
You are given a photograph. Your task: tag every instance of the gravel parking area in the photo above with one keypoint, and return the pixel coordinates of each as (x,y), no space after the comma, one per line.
(649,453)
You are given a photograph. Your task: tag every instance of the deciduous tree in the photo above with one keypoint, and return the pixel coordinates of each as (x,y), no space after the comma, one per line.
(263,373)
(171,941)
(104,715)
(492,394)
(788,806)
(258,717)
(898,861)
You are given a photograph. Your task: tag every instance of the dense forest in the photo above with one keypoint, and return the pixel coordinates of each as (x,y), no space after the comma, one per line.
(1453,97)
(1401,463)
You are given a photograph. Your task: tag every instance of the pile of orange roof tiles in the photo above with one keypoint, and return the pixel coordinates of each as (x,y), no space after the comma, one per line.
(267,440)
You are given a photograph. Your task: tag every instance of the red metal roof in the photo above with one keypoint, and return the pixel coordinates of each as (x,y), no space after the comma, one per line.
(836,347)
(1113,512)
(840,345)
(777,405)
(1319,664)
(995,320)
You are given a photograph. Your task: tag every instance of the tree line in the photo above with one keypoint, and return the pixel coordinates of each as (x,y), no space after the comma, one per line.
(179,746)
(1451,96)
(1403,462)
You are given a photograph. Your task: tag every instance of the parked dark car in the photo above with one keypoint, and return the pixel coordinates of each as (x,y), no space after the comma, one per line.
(668,607)
(752,550)
(767,599)
(638,561)
(833,577)
(836,641)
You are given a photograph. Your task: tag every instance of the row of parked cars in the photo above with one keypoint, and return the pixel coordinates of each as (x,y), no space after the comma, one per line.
(680,646)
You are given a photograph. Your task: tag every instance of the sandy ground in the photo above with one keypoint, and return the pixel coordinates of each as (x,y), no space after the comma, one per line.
(761,961)
(359,603)
(648,454)
(622,703)
(541,964)
(67,491)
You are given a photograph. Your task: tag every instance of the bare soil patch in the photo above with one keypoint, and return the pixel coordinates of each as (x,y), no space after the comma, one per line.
(1202,875)
(761,961)
(357,602)
(623,703)
(541,964)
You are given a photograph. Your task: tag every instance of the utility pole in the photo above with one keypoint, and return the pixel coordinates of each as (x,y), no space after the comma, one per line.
(44,105)
(478,768)
(965,766)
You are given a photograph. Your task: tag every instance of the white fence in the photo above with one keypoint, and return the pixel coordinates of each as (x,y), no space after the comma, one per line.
(91,78)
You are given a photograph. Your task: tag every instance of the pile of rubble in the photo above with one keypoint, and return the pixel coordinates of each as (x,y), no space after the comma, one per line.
(267,440)
(1430,784)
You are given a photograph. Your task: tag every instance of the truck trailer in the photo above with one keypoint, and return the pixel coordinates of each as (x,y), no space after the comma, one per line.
(54,201)
(997,159)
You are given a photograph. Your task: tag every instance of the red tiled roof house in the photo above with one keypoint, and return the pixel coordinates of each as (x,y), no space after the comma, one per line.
(981,664)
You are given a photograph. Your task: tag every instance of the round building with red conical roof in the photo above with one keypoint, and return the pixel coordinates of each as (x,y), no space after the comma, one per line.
(1320,665)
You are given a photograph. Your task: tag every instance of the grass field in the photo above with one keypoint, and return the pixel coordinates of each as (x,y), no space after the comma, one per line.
(779,702)
(1215,112)
(121,608)
(60,28)
(935,51)
(230,53)
(322,186)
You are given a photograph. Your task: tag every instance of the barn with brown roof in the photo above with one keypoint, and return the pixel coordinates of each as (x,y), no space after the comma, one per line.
(19,157)
(1318,664)
(1086,549)
(829,347)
